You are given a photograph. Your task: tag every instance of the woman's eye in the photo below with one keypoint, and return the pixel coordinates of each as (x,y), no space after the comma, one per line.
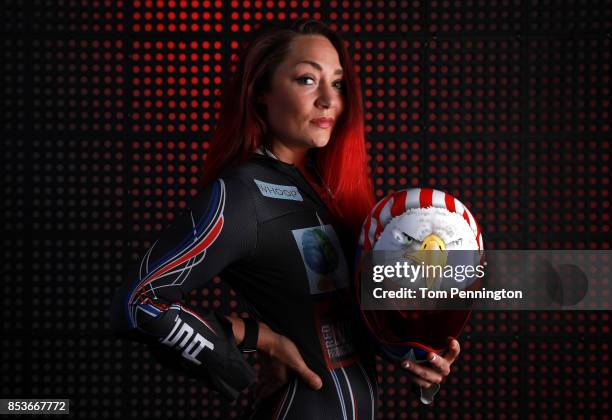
(304,80)
(309,81)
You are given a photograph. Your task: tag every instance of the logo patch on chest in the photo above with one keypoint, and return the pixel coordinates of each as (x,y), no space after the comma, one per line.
(323,259)
(283,192)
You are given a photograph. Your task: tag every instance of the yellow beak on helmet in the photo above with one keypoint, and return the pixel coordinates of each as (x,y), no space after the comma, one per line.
(431,253)
(433,243)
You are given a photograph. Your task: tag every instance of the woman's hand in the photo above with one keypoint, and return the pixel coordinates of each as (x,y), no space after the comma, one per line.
(272,376)
(426,376)
(277,354)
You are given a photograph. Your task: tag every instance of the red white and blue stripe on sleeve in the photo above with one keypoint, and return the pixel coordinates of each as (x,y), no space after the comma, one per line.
(174,266)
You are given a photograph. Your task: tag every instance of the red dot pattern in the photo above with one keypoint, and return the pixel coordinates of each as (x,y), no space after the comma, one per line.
(169,16)
(377,16)
(245,16)
(569,85)
(175,86)
(83,190)
(169,172)
(79,15)
(569,16)
(391,72)
(473,86)
(78,85)
(492,17)
(568,189)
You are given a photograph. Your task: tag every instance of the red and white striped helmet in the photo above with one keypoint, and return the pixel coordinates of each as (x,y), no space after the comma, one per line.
(400,333)
(398,203)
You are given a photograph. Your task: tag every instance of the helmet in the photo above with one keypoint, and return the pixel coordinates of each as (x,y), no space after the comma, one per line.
(401,334)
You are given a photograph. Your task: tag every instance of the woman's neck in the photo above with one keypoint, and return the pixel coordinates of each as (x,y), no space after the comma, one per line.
(297,157)
(292,155)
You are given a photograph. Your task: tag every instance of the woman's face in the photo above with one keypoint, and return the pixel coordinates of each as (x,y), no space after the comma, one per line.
(305,97)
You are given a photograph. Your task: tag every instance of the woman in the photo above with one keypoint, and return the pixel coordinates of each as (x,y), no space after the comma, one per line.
(286,192)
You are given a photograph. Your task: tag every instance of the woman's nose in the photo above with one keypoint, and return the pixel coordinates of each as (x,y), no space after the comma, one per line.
(326,98)
(323,102)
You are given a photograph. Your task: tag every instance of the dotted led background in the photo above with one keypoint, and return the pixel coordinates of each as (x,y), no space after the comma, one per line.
(107,110)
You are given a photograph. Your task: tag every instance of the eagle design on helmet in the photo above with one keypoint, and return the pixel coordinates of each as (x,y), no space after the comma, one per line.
(416,221)
(430,220)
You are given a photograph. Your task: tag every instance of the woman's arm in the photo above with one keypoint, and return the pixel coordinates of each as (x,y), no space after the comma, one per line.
(219,228)
(237,328)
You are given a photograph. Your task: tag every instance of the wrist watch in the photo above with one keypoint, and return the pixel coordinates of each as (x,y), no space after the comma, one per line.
(251,333)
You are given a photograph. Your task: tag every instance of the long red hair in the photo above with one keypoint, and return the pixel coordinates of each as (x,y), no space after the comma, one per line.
(242,126)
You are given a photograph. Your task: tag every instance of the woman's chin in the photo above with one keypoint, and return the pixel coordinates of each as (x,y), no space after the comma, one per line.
(319,142)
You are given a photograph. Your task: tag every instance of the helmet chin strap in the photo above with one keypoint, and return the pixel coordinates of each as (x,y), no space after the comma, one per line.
(427,394)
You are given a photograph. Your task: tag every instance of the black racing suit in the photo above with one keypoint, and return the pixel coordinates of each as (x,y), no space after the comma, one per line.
(263,229)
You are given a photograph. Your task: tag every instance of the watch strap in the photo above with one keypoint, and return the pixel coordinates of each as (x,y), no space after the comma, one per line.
(251,333)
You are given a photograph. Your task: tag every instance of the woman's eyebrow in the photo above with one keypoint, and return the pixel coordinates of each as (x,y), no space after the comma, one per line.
(317,66)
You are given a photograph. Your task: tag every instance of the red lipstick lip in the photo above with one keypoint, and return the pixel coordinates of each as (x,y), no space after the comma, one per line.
(323,122)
